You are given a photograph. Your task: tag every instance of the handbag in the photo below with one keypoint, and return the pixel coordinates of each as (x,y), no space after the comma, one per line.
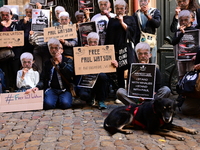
(6,53)
(146,37)
(188,82)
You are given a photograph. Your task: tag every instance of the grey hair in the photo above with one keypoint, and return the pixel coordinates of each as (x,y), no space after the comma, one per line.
(103,1)
(60,8)
(28,7)
(53,41)
(184,13)
(78,13)
(26,55)
(93,35)
(5,9)
(63,14)
(120,2)
(143,46)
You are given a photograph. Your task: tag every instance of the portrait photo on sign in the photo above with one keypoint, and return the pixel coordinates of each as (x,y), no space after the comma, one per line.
(40,19)
(86,4)
(84,30)
(142,80)
(188,45)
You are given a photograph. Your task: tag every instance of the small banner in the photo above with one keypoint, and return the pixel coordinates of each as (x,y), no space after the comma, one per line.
(13,38)
(94,59)
(60,32)
(19,101)
(142,80)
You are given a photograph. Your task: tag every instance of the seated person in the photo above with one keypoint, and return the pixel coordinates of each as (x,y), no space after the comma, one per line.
(99,91)
(68,44)
(53,78)
(143,53)
(27,78)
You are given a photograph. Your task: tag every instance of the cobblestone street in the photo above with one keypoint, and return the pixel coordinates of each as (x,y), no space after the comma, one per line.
(82,128)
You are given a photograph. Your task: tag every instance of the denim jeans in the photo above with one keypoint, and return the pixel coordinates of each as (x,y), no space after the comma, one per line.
(56,97)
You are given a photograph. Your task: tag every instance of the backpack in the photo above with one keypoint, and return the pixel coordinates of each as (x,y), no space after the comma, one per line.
(2,81)
(188,82)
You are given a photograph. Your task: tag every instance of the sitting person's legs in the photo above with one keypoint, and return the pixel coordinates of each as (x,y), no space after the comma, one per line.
(163,92)
(65,100)
(50,98)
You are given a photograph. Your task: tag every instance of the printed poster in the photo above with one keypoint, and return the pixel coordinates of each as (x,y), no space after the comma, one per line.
(84,30)
(88,81)
(94,59)
(40,19)
(60,32)
(188,45)
(86,4)
(42,2)
(142,81)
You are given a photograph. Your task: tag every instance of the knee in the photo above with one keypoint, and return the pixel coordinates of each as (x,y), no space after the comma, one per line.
(120,92)
(48,105)
(102,77)
(66,104)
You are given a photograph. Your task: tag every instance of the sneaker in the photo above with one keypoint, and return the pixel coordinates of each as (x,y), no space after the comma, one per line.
(91,103)
(118,101)
(102,105)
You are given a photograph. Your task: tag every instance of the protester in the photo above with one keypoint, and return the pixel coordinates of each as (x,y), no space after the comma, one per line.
(57,11)
(12,65)
(144,54)
(148,19)
(55,72)
(82,17)
(101,19)
(27,78)
(190,5)
(68,44)
(100,90)
(121,32)
(25,25)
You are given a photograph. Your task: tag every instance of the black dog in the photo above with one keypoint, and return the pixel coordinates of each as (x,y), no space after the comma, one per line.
(155,116)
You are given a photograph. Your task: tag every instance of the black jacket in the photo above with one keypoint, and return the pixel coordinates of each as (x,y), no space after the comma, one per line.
(66,68)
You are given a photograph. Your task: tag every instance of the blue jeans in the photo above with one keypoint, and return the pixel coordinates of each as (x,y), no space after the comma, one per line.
(56,97)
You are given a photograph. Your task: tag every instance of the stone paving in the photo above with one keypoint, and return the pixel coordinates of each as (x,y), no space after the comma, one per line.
(82,128)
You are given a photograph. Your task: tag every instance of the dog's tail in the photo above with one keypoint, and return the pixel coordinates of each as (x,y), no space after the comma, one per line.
(110,129)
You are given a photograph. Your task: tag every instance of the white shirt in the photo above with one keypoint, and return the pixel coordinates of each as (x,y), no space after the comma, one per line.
(31,78)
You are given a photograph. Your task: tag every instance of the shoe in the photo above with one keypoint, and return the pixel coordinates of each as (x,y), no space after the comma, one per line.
(102,105)
(91,103)
(118,101)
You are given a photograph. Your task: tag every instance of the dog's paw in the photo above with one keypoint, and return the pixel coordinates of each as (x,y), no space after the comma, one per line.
(180,138)
(129,131)
(194,132)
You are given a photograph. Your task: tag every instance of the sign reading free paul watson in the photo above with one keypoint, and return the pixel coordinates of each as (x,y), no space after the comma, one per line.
(142,80)
(13,38)
(94,59)
(60,32)
(20,101)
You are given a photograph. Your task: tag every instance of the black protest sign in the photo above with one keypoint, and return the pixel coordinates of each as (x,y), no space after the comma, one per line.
(188,45)
(142,80)
(88,81)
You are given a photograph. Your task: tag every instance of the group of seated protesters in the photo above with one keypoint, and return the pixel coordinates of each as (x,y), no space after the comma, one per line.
(47,65)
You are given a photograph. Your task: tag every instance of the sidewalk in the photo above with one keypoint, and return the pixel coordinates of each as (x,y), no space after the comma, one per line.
(82,128)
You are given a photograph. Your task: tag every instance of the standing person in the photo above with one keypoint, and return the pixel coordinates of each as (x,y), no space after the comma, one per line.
(68,44)
(27,78)
(82,17)
(12,65)
(57,11)
(25,25)
(121,32)
(185,22)
(100,90)
(55,72)
(101,19)
(148,19)
(190,5)
(144,54)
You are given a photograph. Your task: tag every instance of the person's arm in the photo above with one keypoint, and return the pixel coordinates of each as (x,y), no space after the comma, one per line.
(174,24)
(20,81)
(37,78)
(66,67)
(157,80)
(70,43)
(176,39)
(154,20)
(121,20)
